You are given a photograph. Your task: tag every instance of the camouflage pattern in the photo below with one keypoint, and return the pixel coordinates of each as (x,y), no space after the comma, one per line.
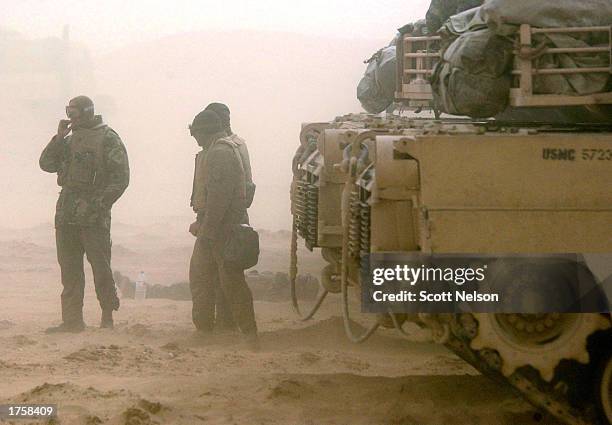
(440,10)
(224,204)
(93,241)
(93,171)
(88,206)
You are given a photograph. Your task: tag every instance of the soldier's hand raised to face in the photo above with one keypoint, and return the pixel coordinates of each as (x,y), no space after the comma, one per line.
(63,128)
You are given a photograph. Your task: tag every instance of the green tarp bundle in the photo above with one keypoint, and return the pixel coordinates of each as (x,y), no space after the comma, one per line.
(473,78)
(376,90)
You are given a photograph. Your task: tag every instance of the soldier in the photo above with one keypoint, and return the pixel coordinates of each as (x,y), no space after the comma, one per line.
(93,172)
(219,199)
(224,114)
(223,316)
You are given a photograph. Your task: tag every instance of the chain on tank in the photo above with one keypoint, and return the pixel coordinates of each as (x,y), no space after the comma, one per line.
(354,242)
(306,202)
(359,224)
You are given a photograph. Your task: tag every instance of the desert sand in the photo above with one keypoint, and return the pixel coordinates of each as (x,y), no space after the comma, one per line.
(153,368)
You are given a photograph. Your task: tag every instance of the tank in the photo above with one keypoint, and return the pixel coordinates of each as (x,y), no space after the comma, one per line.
(401,183)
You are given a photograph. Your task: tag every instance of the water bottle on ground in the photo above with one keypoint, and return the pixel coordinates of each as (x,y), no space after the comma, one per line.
(140,292)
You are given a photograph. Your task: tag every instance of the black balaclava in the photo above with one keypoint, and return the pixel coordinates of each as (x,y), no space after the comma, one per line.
(223,112)
(205,125)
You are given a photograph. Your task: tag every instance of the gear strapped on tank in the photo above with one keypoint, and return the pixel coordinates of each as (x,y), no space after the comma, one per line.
(85,166)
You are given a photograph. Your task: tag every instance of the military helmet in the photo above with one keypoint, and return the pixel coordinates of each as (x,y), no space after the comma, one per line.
(207,122)
(222,111)
(83,104)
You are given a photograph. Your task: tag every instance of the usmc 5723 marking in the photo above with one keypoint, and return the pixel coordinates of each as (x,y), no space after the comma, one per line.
(585,154)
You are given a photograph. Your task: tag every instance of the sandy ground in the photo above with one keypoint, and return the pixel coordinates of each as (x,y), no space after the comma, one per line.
(153,368)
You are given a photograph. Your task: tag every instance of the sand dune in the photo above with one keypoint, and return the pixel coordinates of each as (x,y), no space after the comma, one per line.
(153,368)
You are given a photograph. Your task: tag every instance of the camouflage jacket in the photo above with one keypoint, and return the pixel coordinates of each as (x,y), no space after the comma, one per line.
(93,171)
(224,187)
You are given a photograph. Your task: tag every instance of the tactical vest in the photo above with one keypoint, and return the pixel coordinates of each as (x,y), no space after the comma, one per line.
(84,168)
(244,155)
(246,167)
(198,196)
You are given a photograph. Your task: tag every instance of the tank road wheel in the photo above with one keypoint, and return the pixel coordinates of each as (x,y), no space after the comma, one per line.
(603,389)
(538,340)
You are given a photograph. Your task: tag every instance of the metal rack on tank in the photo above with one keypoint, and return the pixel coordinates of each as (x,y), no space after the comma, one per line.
(416,58)
(526,67)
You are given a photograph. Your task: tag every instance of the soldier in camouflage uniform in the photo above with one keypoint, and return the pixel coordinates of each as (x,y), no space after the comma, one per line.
(93,172)
(223,316)
(219,199)
(440,10)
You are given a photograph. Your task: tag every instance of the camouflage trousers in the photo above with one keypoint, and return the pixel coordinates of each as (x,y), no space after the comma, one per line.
(73,242)
(209,280)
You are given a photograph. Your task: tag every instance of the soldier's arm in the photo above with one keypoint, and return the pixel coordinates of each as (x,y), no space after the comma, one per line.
(118,169)
(223,179)
(52,156)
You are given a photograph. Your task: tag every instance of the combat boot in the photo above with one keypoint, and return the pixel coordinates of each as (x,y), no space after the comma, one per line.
(66,327)
(107,319)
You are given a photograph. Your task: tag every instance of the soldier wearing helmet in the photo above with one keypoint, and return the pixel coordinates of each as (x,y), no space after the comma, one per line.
(219,200)
(223,317)
(92,169)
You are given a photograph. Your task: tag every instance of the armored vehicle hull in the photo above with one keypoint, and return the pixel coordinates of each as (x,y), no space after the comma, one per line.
(407,185)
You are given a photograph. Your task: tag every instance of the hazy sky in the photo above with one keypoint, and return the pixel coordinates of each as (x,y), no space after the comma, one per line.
(150,66)
(109,23)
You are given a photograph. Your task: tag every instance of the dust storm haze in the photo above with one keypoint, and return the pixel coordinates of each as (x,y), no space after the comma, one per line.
(151,68)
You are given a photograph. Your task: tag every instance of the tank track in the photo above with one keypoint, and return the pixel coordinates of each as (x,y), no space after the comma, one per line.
(567,395)
(544,358)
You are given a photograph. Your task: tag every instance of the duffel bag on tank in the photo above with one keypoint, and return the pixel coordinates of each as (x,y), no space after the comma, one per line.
(473,77)
(547,13)
(376,90)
